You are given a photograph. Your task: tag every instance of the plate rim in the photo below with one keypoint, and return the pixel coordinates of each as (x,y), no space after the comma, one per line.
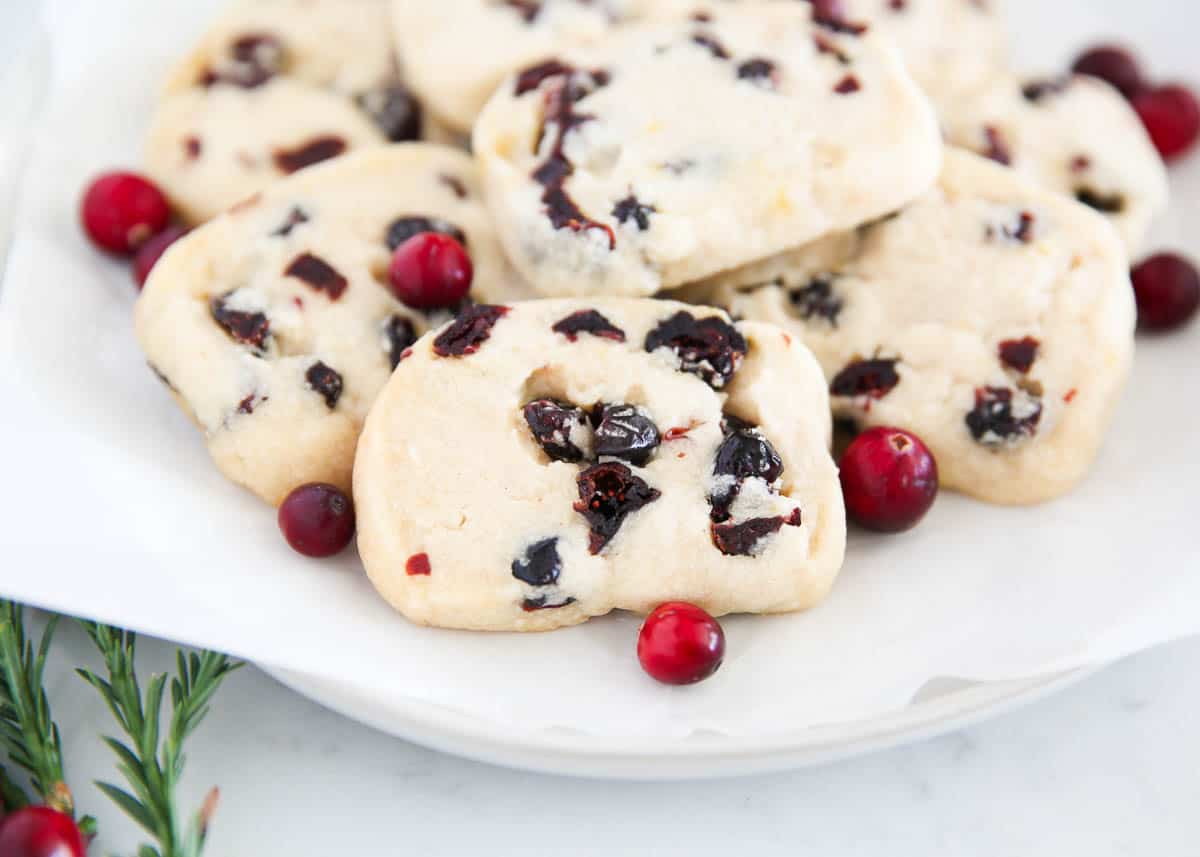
(711,756)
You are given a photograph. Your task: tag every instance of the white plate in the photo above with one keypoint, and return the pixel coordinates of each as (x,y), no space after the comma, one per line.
(939,710)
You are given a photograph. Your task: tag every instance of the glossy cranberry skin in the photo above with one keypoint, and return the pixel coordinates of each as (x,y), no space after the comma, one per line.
(38,831)
(122,211)
(1172,118)
(317,519)
(680,644)
(1114,65)
(889,480)
(149,253)
(431,271)
(1167,289)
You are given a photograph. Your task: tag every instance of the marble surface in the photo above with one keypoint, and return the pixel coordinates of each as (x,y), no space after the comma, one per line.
(1110,766)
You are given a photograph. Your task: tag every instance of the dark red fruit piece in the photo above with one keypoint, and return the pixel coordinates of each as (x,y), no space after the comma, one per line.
(713,46)
(1172,118)
(122,211)
(758,69)
(317,273)
(552,424)
(710,347)
(1105,203)
(470,329)
(818,299)
(38,831)
(1002,416)
(874,378)
(631,208)
(540,566)
(889,479)
(253,60)
(317,519)
(306,154)
(744,539)
(832,14)
(326,382)
(1019,354)
(247,327)
(403,228)
(430,271)
(149,253)
(588,321)
(680,644)
(395,110)
(541,602)
(608,493)
(625,432)
(1113,64)
(744,454)
(531,78)
(400,335)
(418,565)
(1167,289)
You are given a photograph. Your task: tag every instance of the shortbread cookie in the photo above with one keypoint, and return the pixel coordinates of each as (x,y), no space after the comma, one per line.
(273,324)
(533,465)
(991,317)
(456,52)
(1073,134)
(274,86)
(675,150)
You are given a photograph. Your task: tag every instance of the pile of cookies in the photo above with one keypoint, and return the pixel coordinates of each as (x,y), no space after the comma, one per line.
(573,299)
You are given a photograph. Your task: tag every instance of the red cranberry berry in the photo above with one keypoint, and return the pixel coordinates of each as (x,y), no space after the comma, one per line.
(38,831)
(1167,289)
(680,644)
(317,519)
(1171,116)
(889,479)
(149,253)
(1112,64)
(431,271)
(122,211)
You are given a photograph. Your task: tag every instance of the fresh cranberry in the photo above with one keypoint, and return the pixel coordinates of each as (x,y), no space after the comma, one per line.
(38,831)
(317,519)
(149,253)
(431,271)
(122,211)
(1167,289)
(889,479)
(1171,116)
(1114,65)
(680,644)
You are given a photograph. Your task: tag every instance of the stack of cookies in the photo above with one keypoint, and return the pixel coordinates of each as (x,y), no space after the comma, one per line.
(696,233)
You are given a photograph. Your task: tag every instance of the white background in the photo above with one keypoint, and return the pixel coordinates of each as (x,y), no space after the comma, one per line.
(1109,767)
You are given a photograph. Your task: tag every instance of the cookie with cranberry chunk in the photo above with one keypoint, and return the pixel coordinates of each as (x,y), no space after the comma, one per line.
(533,465)
(274,86)
(273,324)
(991,317)
(1076,135)
(674,150)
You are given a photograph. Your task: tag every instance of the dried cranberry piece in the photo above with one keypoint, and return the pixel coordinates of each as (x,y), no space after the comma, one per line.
(552,424)
(758,69)
(1036,90)
(818,299)
(399,334)
(1107,203)
(1019,354)
(709,347)
(743,454)
(541,602)
(305,155)
(588,321)
(403,228)
(541,564)
(250,402)
(418,565)
(714,47)
(745,539)
(455,184)
(874,378)
(848,85)
(469,330)
(325,381)
(1001,416)
(248,328)
(630,208)
(608,494)
(317,273)
(531,78)
(831,14)
(997,146)
(296,217)
(395,110)
(527,9)
(253,60)
(625,432)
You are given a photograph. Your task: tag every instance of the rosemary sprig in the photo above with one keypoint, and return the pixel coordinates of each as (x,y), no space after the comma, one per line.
(153,763)
(28,733)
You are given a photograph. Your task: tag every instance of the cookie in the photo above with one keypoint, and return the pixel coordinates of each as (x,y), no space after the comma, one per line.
(992,317)
(608,171)
(1076,135)
(272,87)
(456,52)
(534,465)
(273,325)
